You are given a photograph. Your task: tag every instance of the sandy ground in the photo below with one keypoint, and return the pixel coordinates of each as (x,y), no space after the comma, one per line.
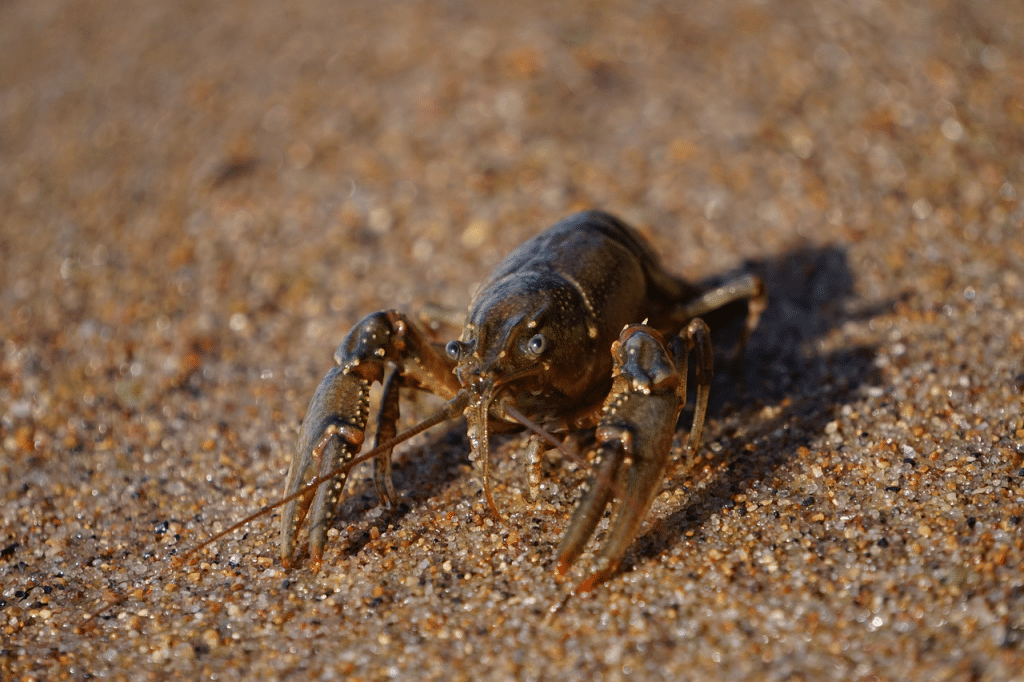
(198,200)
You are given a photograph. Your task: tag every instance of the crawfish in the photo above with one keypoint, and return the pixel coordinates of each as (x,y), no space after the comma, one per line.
(580,327)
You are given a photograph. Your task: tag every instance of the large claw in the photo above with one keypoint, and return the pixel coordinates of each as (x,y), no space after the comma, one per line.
(635,440)
(332,434)
(333,430)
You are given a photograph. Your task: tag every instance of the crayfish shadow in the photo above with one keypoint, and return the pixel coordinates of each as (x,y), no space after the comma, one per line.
(789,386)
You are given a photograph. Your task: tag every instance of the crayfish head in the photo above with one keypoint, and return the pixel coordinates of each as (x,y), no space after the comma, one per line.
(530,342)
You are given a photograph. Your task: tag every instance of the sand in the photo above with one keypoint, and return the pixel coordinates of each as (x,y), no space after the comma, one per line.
(198,200)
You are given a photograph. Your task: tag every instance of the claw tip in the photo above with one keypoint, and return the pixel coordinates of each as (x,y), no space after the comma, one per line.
(589,584)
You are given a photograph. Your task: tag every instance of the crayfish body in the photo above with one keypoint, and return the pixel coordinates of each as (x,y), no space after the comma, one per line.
(580,327)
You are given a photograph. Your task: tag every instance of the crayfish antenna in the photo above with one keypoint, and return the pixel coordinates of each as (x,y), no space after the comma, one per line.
(563,448)
(545,434)
(450,410)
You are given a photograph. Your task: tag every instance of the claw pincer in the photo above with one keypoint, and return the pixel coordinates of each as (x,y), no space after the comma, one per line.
(333,429)
(635,437)
(332,432)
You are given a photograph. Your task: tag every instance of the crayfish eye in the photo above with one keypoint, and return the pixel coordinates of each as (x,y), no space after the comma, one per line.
(453,350)
(536,345)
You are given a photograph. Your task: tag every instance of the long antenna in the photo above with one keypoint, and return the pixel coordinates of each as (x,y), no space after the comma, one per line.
(561,447)
(451,409)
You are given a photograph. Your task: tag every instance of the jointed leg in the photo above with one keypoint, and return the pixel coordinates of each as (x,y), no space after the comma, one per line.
(534,462)
(748,287)
(698,338)
(387,427)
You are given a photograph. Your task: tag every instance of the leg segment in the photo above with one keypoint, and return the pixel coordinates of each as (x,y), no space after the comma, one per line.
(698,340)
(534,462)
(746,287)
(387,427)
